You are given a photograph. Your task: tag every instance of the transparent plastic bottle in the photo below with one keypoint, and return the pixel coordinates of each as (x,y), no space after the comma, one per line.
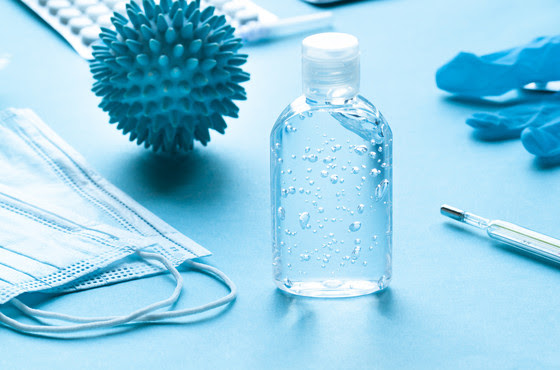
(331,180)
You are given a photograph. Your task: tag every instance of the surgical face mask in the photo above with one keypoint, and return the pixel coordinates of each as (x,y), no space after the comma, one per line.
(45,247)
(40,251)
(49,174)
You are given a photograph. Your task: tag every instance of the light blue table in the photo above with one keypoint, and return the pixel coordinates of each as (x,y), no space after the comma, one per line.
(457,299)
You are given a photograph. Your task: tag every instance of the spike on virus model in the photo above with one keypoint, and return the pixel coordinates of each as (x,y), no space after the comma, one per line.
(169,73)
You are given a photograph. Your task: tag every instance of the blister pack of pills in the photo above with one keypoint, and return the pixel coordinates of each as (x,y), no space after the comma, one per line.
(79,21)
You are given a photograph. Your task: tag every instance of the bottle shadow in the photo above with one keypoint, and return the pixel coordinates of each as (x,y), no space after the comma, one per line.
(303,313)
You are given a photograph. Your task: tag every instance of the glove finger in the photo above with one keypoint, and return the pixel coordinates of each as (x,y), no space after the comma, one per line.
(497,73)
(509,122)
(543,141)
(494,126)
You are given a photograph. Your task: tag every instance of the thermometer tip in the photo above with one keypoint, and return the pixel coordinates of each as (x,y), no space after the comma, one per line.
(452,212)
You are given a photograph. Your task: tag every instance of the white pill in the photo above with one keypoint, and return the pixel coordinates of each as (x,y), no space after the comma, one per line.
(84,4)
(96,11)
(120,7)
(111,3)
(66,14)
(76,24)
(55,6)
(105,21)
(232,8)
(90,34)
(218,4)
(247,15)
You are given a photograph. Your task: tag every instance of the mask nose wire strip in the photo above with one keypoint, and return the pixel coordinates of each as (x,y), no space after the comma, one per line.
(141,315)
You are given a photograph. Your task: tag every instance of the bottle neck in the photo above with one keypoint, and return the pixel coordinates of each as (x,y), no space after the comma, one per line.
(330,101)
(335,81)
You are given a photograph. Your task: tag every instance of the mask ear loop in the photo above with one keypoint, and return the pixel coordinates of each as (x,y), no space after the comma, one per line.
(141,315)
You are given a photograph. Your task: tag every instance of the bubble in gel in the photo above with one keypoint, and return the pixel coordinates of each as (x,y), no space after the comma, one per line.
(355,226)
(334,179)
(281,213)
(312,158)
(304,220)
(361,149)
(381,189)
(324,173)
(361,208)
(374,172)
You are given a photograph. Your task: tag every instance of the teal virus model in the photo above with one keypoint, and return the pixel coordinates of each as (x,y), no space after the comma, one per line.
(169,73)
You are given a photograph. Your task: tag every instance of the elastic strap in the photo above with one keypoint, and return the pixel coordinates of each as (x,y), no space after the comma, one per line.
(145,314)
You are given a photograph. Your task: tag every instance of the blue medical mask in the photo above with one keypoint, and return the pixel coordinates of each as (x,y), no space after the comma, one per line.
(48,173)
(40,251)
(43,252)
(45,247)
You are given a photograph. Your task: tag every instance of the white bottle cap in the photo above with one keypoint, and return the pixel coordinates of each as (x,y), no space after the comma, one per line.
(331,66)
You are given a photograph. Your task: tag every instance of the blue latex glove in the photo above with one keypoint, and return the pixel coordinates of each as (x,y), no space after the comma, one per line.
(510,122)
(497,73)
(537,123)
(543,141)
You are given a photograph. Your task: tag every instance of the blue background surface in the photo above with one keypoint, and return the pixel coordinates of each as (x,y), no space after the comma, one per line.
(458,299)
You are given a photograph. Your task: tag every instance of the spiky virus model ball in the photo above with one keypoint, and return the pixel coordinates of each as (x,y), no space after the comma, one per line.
(169,73)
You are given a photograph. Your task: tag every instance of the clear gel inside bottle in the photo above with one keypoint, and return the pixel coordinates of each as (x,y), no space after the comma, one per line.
(331,180)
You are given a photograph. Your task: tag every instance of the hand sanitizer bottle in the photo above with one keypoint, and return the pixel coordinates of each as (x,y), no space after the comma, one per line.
(331,180)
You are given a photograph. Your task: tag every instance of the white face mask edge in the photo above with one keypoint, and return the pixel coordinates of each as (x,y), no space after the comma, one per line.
(143,315)
(37,161)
